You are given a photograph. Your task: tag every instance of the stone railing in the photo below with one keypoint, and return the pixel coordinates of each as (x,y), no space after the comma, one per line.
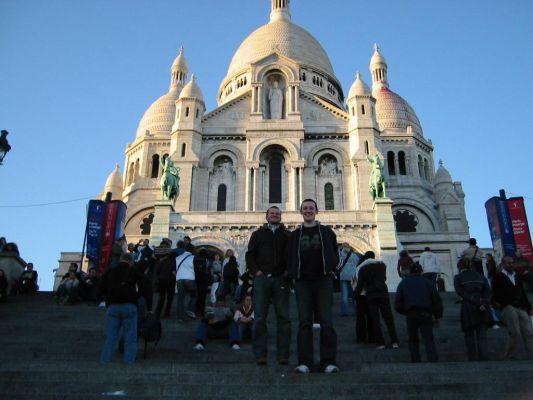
(13,266)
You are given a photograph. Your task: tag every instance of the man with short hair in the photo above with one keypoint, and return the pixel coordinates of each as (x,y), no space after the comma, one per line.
(430,265)
(509,294)
(119,288)
(312,258)
(266,261)
(185,283)
(474,254)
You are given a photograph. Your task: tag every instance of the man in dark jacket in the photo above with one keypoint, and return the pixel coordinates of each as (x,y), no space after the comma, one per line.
(417,298)
(119,288)
(371,279)
(509,294)
(266,261)
(313,255)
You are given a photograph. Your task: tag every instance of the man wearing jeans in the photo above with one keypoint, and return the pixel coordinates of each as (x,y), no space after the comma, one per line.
(119,290)
(266,260)
(509,294)
(185,283)
(312,257)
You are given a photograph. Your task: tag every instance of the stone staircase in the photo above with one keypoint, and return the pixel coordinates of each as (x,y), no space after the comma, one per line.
(49,351)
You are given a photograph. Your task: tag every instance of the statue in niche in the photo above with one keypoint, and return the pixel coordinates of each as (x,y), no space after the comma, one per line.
(275,99)
(224,168)
(328,166)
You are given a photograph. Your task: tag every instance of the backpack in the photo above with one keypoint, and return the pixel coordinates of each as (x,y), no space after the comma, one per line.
(150,330)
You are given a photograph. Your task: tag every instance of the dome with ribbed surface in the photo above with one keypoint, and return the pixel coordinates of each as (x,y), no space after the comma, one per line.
(285,38)
(392,111)
(359,87)
(159,117)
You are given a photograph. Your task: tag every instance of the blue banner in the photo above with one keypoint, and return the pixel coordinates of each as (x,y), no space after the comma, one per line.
(500,226)
(95,221)
(120,222)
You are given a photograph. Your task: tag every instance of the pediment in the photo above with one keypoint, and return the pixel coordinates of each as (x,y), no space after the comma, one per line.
(448,198)
(235,112)
(314,109)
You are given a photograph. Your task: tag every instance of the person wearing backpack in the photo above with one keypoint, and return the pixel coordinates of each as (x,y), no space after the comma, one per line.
(119,288)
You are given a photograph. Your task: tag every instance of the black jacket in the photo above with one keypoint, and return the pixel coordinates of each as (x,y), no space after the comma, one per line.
(267,251)
(371,277)
(330,251)
(475,292)
(120,283)
(416,293)
(506,293)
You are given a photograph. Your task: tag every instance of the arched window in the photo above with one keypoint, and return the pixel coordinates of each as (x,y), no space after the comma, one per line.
(329,197)
(402,165)
(221,197)
(155,166)
(183,149)
(131,173)
(197,112)
(390,163)
(137,170)
(367,150)
(363,109)
(274,180)
(187,112)
(426,168)
(420,166)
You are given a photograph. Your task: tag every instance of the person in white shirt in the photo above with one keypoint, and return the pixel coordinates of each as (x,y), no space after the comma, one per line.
(430,265)
(185,283)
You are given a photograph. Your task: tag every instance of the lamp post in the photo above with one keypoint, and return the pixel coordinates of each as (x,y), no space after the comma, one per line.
(4,146)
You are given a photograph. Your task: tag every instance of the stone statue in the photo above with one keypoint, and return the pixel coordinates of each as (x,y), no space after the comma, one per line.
(377,177)
(275,98)
(170,181)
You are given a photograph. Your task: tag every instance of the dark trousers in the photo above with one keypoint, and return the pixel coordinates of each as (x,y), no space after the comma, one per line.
(381,305)
(186,286)
(201,287)
(476,343)
(311,295)
(166,292)
(273,291)
(363,325)
(420,321)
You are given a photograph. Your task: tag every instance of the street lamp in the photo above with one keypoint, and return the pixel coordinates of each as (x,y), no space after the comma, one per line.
(4,146)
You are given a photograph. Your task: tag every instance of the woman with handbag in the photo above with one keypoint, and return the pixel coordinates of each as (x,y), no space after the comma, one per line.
(475,293)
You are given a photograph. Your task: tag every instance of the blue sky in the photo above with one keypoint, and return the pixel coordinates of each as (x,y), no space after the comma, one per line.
(76,77)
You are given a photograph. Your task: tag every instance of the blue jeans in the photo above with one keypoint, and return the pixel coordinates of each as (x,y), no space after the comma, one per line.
(266,291)
(204,331)
(310,296)
(421,321)
(125,316)
(346,297)
(186,286)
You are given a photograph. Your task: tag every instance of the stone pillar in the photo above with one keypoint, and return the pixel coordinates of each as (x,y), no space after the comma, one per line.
(291,188)
(161,223)
(255,171)
(386,239)
(247,190)
(260,99)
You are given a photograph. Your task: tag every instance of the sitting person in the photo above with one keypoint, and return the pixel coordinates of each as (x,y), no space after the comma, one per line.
(246,288)
(243,320)
(11,248)
(3,243)
(216,324)
(90,287)
(230,276)
(28,281)
(3,286)
(68,290)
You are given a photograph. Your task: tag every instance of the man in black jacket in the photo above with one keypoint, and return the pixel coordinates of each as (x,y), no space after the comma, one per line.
(313,256)
(418,299)
(266,261)
(509,294)
(119,288)
(371,279)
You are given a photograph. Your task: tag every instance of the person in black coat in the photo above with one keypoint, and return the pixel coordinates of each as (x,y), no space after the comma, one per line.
(417,298)
(3,286)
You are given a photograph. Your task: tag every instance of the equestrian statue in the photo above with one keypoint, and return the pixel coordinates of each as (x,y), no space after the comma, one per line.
(377,178)
(170,181)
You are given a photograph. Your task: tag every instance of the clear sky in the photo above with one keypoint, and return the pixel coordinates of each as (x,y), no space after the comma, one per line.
(76,77)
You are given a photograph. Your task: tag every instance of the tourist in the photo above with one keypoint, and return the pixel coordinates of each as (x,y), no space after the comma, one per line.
(202,278)
(490,264)
(363,324)
(12,247)
(68,289)
(523,267)
(230,275)
(185,283)
(510,296)
(3,286)
(243,320)
(216,324)
(372,277)
(474,254)
(119,288)
(27,282)
(474,291)
(188,245)
(313,255)
(91,287)
(418,299)
(405,262)
(430,265)
(165,271)
(3,243)
(266,261)
(346,270)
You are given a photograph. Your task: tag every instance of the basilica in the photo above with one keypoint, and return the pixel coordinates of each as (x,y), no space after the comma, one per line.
(284,130)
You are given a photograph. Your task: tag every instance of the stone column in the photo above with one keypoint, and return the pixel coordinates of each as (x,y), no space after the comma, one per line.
(161,223)
(291,188)
(247,190)
(386,239)
(255,171)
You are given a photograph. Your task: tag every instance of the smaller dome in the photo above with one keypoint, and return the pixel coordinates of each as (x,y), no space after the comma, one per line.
(113,184)
(192,90)
(443,176)
(180,63)
(159,117)
(359,87)
(377,57)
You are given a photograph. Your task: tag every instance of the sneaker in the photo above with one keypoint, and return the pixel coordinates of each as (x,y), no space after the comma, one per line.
(302,369)
(235,347)
(381,347)
(395,345)
(199,346)
(316,326)
(496,326)
(190,314)
(102,304)
(261,361)
(331,369)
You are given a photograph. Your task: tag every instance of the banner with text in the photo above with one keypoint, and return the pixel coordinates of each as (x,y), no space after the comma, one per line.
(522,237)
(95,222)
(500,226)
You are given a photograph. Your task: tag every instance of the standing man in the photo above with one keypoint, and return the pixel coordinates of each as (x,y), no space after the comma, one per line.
(430,265)
(185,283)
(119,288)
(474,254)
(509,294)
(266,261)
(312,257)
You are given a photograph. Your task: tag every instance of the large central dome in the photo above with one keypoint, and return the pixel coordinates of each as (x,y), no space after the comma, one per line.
(285,38)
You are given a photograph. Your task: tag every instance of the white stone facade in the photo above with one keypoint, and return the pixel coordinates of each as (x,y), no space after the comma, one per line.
(236,160)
